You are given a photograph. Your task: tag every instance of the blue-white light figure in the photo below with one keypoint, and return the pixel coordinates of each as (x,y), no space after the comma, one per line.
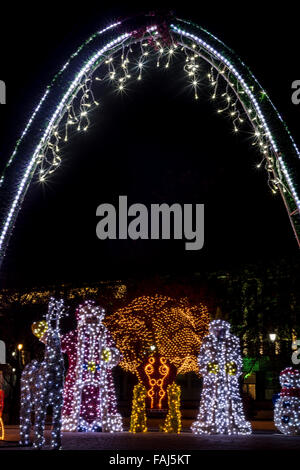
(42,385)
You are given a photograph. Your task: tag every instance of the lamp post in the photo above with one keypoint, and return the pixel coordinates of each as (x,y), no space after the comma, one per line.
(18,354)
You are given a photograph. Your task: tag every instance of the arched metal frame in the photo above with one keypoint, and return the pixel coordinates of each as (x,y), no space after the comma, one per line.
(280,151)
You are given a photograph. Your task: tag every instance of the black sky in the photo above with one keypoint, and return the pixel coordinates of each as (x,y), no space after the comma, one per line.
(156,144)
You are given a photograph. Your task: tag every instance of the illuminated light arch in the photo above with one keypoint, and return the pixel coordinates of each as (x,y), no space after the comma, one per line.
(38,149)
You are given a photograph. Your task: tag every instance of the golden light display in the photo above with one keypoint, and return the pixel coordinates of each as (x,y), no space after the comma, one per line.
(231,368)
(173,418)
(172,327)
(138,420)
(213,368)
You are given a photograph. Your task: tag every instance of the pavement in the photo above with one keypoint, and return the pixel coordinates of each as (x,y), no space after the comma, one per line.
(261,439)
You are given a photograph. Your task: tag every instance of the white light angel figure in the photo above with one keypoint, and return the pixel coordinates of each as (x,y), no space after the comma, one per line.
(220,364)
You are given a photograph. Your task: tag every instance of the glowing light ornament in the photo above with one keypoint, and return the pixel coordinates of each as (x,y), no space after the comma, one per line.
(287,407)
(39,328)
(42,385)
(220,363)
(89,395)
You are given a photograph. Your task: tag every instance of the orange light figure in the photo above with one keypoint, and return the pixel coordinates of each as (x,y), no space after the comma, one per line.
(163,370)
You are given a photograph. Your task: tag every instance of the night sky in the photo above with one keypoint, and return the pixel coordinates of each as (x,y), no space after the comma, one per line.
(155,144)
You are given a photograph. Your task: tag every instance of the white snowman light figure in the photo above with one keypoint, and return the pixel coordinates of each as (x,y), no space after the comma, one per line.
(220,364)
(287,407)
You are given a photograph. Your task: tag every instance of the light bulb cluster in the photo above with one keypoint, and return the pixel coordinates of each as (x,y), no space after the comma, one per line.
(287,407)
(227,84)
(173,327)
(220,364)
(172,422)
(156,375)
(138,419)
(122,69)
(116,290)
(39,329)
(42,385)
(46,135)
(89,394)
(65,66)
(80,95)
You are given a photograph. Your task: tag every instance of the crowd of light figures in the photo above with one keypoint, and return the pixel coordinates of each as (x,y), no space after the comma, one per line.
(89,394)
(287,407)
(42,384)
(220,364)
(87,400)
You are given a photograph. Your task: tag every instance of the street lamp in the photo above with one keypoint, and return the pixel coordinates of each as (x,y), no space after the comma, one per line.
(272,337)
(20,349)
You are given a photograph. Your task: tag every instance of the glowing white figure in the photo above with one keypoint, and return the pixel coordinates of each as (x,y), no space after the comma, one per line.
(287,407)
(220,363)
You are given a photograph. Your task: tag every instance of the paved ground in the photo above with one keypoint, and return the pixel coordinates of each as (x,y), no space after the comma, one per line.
(259,440)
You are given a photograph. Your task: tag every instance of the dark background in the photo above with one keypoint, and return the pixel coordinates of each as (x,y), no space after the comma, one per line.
(154,144)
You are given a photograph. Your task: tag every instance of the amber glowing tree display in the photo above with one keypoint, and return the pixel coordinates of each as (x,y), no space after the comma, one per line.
(159,337)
